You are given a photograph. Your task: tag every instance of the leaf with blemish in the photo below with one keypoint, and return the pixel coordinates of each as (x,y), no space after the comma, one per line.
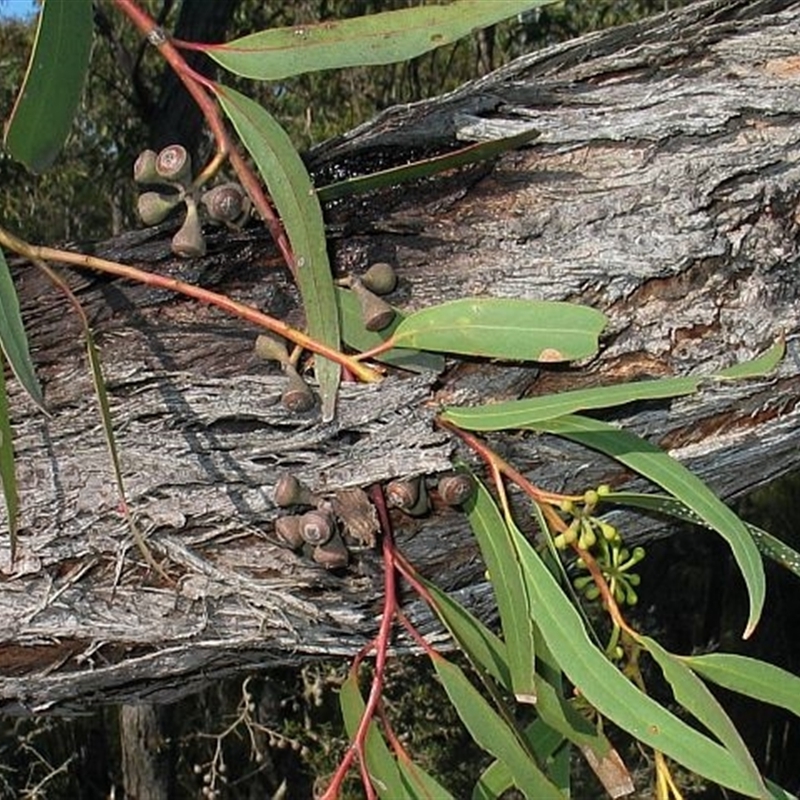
(512,329)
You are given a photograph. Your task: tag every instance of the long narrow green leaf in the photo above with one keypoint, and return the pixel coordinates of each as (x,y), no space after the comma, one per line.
(751,677)
(520,413)
(381,765)
(13,340)
(424,167)
(608,690)
(659,467)
(46,105)
(359,338)
(489,730)
(509,589)
(360,41)
(291,189)
(496,778)
(767,544)
(694,696)
(8,473)
(513,329)
(420,784)
(485,651)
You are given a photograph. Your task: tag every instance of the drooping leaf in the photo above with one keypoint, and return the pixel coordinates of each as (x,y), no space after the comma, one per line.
(509,590)
(425,167)
(359,338)
(519,413)
(767,544)
(694,696)
(659,467)
(46,105)
(750,677)
(291,189)
(483,648)
(421,785)
(492,733)
(381,765)
(13,340)
(8,474)
(360,41)
(512,329)
(757,367)
(496,778)
(608,690)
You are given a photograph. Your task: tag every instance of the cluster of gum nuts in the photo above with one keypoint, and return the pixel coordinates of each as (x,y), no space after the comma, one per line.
(376,314)
(317,528)
(170,170)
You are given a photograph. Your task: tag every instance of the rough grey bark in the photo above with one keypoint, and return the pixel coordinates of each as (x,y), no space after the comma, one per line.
(663,189)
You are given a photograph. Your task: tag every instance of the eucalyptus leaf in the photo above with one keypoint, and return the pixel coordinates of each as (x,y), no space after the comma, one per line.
(511,329)
(492,733)
(509,590)
(13,339)
(694,696)
(659,467)
(45,107)
(381,765)
(291,189)
(360,41)
(750,677)
(419,783)
(767,544)
(612,694)
(757,367)
(8,474)
(424,167)
(359,338)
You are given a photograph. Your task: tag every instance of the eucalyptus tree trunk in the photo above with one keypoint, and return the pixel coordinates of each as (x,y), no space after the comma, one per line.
(663,189)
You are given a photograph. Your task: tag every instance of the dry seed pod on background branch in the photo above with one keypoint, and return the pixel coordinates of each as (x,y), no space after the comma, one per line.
(317,526)
(376,313)
(189,242)
(287,531)
(297,396)
(410,496)
(144,168)
(289,491)
(227,203)
(380,278)
(153,207)
(333,554)
(357,514)
(173,164)
(456,489)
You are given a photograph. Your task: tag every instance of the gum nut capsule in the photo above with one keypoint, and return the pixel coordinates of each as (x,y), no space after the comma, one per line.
(332,555)
(226,202)
(380,278)
(173,164)
(316,527)
(189,242)
(153,207)
(287,530)
(376,314)
(297,397)
(403,494)
(456,489)
(289,491)
(144,168)
(272,347)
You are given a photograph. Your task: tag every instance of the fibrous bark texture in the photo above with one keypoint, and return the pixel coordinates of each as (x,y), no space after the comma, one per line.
(662,189)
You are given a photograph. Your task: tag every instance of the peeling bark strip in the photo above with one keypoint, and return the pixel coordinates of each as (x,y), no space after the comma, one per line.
(663,189)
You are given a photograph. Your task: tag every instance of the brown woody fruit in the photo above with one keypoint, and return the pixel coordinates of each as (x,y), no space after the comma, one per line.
(289,491)
(456,489)
(227,203)
(297,396)
(332,554)
(272,347)
(380,278)
(189,242)
(144,168)
(287,530)
(174,165)
(317,526)
(409,496)
(153,207)
(376,313)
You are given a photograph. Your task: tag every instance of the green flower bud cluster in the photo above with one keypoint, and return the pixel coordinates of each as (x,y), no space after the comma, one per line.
(585,529)
(615,562)
(171,171)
